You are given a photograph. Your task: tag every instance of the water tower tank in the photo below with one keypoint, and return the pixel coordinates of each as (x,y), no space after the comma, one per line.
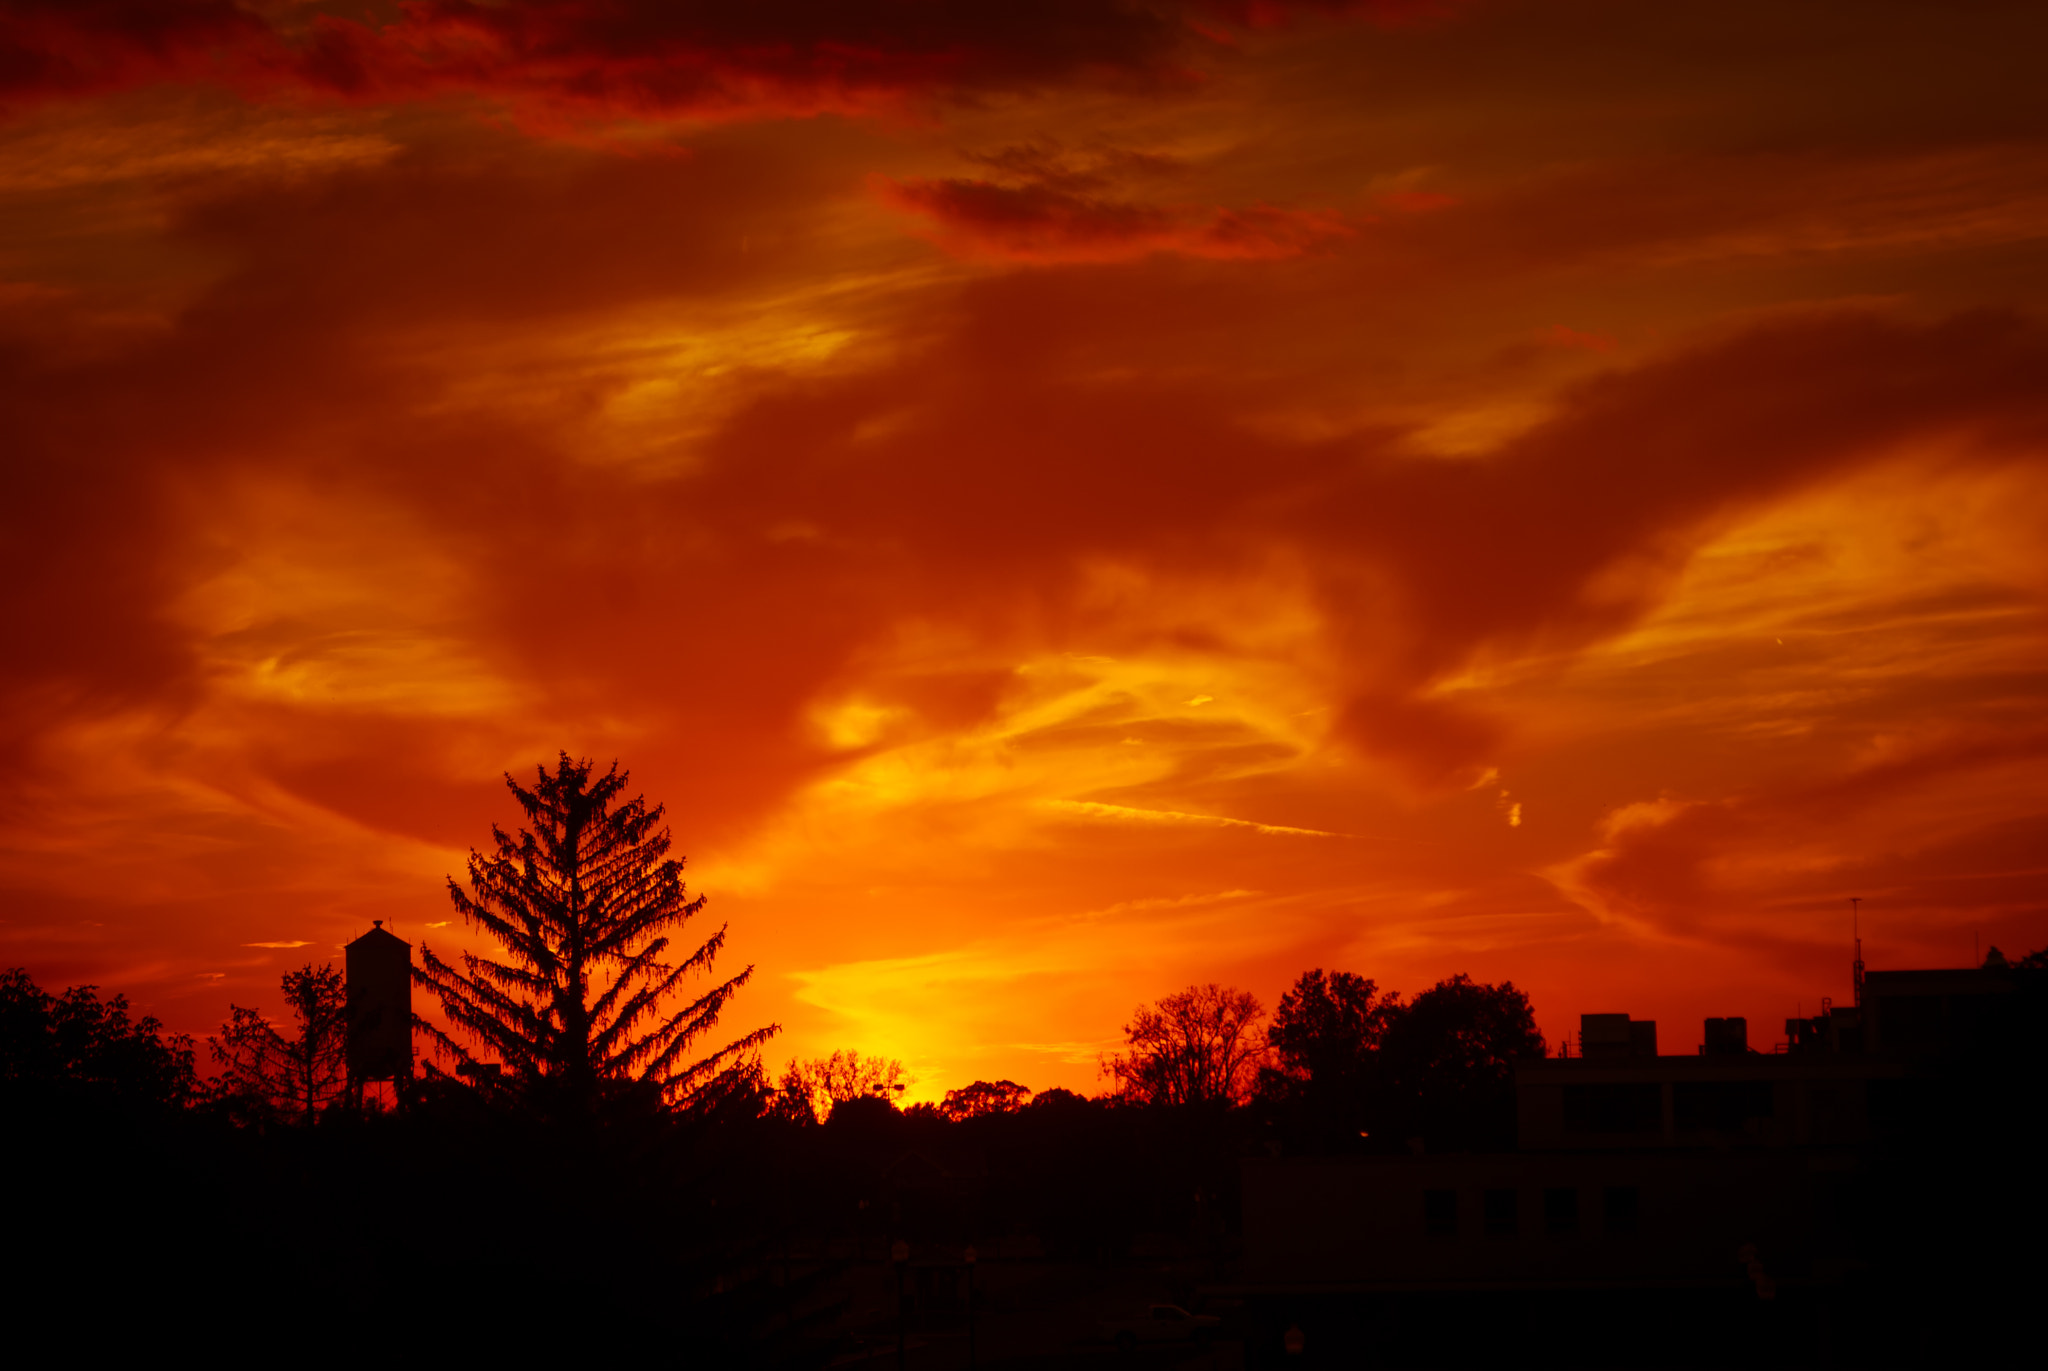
(379,969)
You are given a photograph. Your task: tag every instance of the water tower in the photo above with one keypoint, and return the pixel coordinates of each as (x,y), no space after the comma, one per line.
(379,969)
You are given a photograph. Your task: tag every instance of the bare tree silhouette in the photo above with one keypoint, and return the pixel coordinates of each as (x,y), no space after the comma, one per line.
(578,1012)
(810,1090)
(1197,1046)
(264,1072)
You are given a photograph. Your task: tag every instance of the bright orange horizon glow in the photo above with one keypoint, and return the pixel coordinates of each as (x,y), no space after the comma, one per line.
(1059,507)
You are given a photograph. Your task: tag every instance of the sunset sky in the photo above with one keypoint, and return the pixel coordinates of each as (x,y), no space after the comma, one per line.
(1061,501)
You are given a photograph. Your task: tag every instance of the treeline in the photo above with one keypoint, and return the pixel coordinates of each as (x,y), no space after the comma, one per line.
(161,1189)
(575,1157)
(1342,1065)
(75,1052)
(819,1161)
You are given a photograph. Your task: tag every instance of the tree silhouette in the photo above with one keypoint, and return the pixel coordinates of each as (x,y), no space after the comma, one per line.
(810,1090)
(1197,1046)
(1326,1036)
(264,1071)
(76,1042)
(984,1098)
(583,902)
(1328,1025)
(1449,1058)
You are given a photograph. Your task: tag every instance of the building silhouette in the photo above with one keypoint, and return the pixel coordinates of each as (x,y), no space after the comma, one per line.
(1700,1209)
(378,966)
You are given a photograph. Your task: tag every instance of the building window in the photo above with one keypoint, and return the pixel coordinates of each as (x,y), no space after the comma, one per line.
(1721,1106)
(1909,1023)
(1561,1210)
(1500,1214)
(1440,1213)
(1623,1208)
(1828,1119)
(1613,1108)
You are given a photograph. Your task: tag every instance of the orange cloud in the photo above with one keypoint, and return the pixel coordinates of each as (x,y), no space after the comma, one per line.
(1418,201)
(1559,335)
(1769,872)
(1013,646)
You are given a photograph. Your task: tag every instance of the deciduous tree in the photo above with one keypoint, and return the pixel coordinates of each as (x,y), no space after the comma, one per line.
(264,1071)
(810,1090)
(982,1099)
(582,1007)
(1328,1026)
(1450,1061)
(78,1043)
(1197,1046)
(1325,1080)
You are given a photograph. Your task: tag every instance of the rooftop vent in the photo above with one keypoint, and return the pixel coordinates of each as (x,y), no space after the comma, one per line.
(1617,1035)
(1727,1038)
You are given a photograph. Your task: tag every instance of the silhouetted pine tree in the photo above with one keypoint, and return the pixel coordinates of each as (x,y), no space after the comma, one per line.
(579,1010)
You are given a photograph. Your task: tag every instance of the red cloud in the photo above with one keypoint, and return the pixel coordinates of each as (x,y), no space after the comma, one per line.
(1266,14)
(1417,201)
(637,59)
(1041,223)
(1564,336)
(55,48)
(1679,865)
(557,61)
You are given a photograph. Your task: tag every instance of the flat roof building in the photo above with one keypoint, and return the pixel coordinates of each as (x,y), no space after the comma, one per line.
(1648,1197)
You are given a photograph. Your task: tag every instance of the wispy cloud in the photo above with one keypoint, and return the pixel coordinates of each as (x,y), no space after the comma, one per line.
(1170,902)
(298,942)
(1124,813)
(1074,1053)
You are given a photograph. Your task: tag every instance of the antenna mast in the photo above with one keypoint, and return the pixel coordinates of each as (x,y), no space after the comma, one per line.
(1856,930)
